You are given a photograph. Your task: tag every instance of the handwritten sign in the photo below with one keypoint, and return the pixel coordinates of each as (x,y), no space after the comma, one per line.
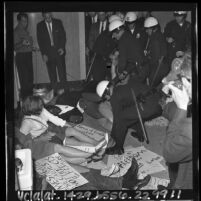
(90,132)
(148,162)
(59,173)
(154,182)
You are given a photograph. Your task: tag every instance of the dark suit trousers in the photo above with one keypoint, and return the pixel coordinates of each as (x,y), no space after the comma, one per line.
(99,69)
(25,71)
(56,63)
(125,113)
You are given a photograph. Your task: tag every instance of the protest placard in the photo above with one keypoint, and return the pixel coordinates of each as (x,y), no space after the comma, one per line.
(90,132)
(148,162)
(154,182)
(59,173)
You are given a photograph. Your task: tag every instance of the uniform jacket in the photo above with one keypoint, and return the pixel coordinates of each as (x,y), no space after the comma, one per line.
(88,23)
(177,148)
(180,34)
(157,47)
(43,38)
(129,50)
(94,33)
(104,44)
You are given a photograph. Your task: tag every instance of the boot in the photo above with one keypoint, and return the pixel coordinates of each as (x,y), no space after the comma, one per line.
(114,150)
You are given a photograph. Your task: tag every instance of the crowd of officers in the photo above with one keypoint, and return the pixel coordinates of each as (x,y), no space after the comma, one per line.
(142,42)
(140,56)
(143,57)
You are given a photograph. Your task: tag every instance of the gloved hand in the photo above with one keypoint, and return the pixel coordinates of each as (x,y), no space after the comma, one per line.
(180,97)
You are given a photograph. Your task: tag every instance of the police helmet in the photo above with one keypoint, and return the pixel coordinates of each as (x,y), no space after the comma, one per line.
(115,25)
(114,17)
(150,22)
(101,87)
(130,17)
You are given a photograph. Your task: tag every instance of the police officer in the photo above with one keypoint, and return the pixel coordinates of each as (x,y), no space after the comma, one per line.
(103,46)
(130,51)
(178,35)
(134,28)
(155,52)
(125,112)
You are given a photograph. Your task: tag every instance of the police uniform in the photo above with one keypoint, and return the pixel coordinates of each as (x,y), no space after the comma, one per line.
(156,49)
(131,51)
(125,113)
(181,36)
(103,47)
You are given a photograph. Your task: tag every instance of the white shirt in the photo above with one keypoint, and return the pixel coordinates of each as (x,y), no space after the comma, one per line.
(50,32)
(36,125)
(95,19)
(48,26)
(102,24)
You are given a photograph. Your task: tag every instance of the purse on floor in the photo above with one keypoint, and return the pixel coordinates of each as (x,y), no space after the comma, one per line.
(72,116)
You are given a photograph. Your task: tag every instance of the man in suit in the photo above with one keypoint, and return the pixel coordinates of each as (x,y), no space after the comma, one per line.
(97,28)
(51,39)
(90,18)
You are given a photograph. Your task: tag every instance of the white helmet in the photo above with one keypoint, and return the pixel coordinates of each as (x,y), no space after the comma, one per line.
(115,24)
(180,12)
(114,17)
(150,22)
(100,89)
(130,17)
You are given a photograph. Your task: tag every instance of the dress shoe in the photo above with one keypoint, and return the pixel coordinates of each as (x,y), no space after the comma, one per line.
(114,151)
(130,179)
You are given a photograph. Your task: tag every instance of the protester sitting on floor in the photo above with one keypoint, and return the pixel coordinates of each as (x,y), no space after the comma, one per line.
(177,146)
(48,138)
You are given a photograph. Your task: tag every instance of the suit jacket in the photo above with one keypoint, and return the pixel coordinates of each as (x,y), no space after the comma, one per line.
(94,33)
(43,38)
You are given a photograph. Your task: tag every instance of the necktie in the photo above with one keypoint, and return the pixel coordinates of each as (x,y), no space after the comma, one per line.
(101,27)
(93,20)
(50,33)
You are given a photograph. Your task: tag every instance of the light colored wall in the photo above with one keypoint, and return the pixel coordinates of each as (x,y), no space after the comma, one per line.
(73,23)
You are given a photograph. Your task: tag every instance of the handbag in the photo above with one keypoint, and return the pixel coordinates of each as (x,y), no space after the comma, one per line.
(72,116)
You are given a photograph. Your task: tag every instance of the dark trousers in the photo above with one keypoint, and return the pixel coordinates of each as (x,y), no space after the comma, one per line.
(155,78)
(125,113)
(99,69)
(25,71)
(56,63)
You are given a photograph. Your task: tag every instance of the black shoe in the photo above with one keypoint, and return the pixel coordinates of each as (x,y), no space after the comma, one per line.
(143,182)
(130,179)
(114,150)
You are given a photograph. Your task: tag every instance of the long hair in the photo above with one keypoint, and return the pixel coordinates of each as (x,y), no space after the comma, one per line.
(32,105)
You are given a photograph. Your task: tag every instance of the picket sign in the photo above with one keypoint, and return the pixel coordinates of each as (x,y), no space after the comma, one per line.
(59,173)
(148,161)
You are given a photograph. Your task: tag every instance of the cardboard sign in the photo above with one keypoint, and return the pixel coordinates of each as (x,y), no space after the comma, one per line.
(154,182)
(59,173)
(148,162)
(90,132)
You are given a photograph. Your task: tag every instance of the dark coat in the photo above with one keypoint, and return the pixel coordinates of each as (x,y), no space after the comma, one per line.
(94,33)
(156,49)
(59,36)
(129,50)
(180,34)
